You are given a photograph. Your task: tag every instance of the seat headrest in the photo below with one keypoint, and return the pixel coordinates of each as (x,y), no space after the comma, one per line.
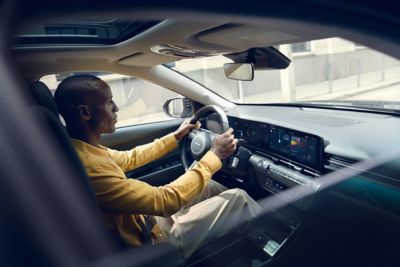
(41,93)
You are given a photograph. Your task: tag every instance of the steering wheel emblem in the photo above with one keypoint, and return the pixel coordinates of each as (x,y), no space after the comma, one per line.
(198,144)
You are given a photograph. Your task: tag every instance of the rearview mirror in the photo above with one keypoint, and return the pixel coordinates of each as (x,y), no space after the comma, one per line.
(266,58)
(239,71)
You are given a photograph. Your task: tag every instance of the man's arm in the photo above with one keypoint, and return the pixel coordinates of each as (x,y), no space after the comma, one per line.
(118,194)
(141,155)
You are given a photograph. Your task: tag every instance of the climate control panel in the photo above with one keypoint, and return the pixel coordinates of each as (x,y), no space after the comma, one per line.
(281,179)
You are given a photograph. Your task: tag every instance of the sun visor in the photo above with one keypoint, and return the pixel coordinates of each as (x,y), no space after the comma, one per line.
(245,37)
(146,60)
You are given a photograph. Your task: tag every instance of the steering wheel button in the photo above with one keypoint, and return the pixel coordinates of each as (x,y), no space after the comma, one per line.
(233,162)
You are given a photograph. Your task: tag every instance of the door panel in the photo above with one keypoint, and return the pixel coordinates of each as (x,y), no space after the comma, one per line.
(128,137)
(158,172)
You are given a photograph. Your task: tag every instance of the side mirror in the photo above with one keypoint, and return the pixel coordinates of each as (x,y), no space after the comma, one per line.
(239,71)
(179,107)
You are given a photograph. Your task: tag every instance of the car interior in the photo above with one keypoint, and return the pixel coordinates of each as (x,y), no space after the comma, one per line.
(325,174)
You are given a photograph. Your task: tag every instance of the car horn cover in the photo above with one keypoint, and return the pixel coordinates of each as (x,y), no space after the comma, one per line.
(200,144)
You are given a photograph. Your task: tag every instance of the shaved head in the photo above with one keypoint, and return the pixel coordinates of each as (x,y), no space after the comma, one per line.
(77,90)
(87,106)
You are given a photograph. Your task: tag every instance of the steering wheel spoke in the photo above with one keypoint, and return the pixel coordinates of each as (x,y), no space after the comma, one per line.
(192,134)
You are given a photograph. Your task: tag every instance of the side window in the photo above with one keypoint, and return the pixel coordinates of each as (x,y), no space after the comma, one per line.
(139,101)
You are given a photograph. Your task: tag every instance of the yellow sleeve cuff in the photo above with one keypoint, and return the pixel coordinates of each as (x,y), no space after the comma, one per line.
(212,161)
(170,141)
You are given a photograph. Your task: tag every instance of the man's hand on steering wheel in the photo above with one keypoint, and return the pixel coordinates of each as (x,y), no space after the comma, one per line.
(185,128)
(218,137)
(224,144)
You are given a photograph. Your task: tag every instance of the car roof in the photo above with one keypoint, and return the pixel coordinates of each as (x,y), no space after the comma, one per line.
(170,35)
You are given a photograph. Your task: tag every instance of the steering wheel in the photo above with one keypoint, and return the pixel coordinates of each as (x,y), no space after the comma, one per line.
(200,140)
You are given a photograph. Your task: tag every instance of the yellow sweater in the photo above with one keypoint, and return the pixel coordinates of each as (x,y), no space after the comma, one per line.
(123,200)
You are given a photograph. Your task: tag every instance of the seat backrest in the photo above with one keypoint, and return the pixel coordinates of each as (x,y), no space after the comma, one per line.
(43,97)
(46,110)
(58,130)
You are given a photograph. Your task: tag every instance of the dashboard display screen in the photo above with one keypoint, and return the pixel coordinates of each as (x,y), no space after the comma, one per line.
(300,147)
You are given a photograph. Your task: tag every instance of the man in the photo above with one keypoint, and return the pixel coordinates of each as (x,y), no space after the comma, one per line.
(86,104)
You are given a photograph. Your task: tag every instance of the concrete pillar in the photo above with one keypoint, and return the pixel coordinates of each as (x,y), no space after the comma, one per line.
(240,91)
(330,64)
(288,88)
(383,68)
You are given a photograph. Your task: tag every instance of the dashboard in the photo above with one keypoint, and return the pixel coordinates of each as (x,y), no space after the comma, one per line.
(349,135)
(293,146)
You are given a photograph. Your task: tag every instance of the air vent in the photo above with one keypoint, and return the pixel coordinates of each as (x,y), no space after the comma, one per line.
(334,162)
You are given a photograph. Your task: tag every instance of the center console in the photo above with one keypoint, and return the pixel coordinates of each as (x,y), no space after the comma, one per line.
(283,160)
(282,166)
(276,178)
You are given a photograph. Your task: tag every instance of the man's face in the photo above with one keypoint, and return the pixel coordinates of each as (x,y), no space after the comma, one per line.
(103,111)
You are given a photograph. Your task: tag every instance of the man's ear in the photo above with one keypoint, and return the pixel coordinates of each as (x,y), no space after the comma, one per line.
(84,112)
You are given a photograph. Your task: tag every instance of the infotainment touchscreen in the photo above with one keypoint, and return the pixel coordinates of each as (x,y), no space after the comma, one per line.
(297,146)
(301,148)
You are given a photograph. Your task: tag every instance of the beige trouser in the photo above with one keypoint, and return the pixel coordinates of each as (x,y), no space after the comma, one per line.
(210,215)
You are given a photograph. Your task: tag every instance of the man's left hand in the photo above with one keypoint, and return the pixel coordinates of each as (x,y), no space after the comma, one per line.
(185,128)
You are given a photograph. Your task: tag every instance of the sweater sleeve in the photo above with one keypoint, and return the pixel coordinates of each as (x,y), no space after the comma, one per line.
(141,155)
(120,195)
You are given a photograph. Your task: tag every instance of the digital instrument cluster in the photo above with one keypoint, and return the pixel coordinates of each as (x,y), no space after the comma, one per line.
(297,147)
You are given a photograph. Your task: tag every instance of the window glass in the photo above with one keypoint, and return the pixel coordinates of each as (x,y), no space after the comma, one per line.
(331,72)
(138,101)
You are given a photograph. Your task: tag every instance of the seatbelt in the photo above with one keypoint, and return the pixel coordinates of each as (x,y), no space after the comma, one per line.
(146,223)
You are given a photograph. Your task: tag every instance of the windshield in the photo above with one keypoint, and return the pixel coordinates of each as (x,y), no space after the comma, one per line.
(329,71)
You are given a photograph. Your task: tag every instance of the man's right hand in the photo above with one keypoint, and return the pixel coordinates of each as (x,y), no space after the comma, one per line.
(224,144)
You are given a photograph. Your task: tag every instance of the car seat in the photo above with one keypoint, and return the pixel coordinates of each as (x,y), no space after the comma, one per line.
(164,254)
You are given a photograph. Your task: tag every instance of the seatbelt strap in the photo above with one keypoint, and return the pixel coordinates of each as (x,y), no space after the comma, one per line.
(146,223)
